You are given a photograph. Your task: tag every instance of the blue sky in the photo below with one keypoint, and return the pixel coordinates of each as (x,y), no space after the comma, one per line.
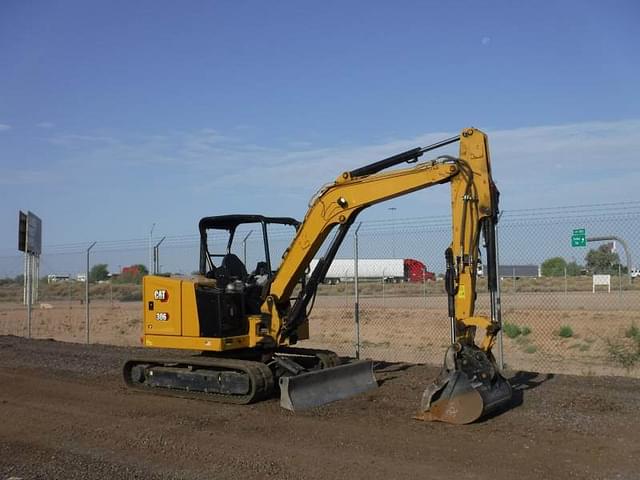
(118,115)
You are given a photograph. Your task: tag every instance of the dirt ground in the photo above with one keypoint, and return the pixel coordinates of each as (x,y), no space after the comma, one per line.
(66,414)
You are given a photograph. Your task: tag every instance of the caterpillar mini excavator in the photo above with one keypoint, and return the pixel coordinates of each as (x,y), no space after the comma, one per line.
(244,325)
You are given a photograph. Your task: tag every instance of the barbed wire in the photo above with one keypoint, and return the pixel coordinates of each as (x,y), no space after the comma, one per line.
(513,217)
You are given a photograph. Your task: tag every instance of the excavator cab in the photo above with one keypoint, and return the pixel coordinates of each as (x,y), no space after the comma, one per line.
(237,271)
(239,289)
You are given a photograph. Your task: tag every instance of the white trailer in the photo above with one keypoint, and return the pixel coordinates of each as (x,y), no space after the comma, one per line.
(342,270)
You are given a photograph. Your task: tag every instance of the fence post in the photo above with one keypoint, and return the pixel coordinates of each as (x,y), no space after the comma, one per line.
(357,292)
(244,246)
(86,294)
(619,282)
(156,256)
(424,284)
(498,301)
(565,280)
(70,293)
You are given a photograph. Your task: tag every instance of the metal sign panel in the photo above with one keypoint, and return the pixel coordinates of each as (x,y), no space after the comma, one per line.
(22,231)
(579,238)
(34,234)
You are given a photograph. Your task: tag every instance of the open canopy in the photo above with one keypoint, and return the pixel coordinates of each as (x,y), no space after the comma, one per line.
(230,222)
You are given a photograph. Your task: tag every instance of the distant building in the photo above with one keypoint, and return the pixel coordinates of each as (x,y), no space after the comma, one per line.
(53,278)
(133,271)
(529,271)
(81,277)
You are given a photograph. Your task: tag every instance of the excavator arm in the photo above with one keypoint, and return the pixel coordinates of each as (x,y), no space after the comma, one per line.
(473,201)
(469,384)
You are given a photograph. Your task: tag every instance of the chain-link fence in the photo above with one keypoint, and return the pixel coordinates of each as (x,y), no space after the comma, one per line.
(555,318)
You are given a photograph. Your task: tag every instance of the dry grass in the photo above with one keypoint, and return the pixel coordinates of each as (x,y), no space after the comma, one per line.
(412,329)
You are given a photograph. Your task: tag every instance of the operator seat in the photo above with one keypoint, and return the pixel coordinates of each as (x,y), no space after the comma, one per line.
(261,269)
(233,267)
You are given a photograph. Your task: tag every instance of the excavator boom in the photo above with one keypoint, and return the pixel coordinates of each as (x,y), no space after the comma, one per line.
(248,322)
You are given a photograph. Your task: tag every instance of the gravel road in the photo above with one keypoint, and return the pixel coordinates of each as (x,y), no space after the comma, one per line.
(65,414)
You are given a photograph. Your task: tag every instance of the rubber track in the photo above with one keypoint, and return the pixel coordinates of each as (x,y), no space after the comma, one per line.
(260,376)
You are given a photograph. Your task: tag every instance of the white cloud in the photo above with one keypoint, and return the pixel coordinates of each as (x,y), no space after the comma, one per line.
(545,165)
(27,177)
(45,125)
(4,127)
(542,165)
(485,40)
(82,141)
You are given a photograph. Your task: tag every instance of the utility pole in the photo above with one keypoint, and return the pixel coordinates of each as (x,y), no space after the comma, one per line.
(357,292)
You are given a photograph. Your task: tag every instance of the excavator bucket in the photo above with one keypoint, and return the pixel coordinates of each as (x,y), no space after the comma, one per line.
(468,391)
(318,387)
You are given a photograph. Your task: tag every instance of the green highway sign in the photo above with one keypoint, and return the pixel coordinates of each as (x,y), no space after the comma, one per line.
(579,238)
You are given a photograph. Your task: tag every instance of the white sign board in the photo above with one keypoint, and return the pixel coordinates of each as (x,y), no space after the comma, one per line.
(602,280)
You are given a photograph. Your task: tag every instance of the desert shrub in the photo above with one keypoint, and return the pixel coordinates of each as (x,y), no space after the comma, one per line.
(565,331)
(627,354)
(130,295)
(525,331)
(511,330)
(633,331)
(531,349)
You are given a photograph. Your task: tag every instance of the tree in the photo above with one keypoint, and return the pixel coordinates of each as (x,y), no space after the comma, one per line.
(98,272)
(573,269)
(602,260)
(553,267)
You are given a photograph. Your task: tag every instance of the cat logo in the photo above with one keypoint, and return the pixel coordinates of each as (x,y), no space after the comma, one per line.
(161,295)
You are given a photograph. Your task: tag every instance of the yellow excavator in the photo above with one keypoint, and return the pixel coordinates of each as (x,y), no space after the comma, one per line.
(244,325)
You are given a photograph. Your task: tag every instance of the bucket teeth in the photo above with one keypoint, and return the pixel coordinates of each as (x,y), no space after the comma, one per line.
(319,387)
(469,391)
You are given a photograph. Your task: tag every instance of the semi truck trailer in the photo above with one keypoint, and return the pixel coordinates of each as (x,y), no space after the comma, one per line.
(391,270)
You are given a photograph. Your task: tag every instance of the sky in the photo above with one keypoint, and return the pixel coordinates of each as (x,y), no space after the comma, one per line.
(117,116)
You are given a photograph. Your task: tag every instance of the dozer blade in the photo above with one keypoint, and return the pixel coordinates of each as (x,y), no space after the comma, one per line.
(454,398)
(318,387)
